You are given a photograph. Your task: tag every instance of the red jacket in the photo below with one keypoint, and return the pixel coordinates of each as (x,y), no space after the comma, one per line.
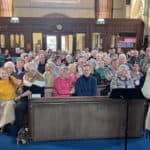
(62,87)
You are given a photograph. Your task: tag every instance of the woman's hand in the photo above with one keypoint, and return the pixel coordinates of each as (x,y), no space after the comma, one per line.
(18,98)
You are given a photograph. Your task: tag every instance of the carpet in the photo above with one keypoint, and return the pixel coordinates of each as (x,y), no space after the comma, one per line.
(9,142)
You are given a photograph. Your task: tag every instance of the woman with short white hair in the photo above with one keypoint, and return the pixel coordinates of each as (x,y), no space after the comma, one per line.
(123,78)
(10,66)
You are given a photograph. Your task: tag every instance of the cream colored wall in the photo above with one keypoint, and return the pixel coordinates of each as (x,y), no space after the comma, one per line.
(80,9)
(71,8)
(119,8)
(141,9)
(137,9)
(146,18)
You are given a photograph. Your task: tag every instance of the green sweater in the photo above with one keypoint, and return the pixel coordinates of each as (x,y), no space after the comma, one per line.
(2,59)
(101,72)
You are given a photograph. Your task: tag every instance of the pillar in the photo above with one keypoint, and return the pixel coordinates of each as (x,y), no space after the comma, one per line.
(103,8)
(6,8)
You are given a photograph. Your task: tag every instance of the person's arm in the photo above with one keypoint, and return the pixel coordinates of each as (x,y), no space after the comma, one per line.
(15,82)
(78,87)
(26,92)
(113,83)
(94,87)
(108,74)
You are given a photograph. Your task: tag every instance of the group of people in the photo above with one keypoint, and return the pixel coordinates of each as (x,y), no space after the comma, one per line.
(66,75)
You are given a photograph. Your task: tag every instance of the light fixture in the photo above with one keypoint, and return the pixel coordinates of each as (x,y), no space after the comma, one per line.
(100,21)
(14,20)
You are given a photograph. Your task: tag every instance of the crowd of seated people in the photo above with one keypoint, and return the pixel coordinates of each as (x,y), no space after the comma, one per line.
(78,75)
(104,65)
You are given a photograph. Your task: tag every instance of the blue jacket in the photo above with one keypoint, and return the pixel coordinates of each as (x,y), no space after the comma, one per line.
(86,86)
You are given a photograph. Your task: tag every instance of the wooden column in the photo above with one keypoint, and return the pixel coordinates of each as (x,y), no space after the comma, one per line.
(74,43)
(103,8)
(6,8)
(58,38)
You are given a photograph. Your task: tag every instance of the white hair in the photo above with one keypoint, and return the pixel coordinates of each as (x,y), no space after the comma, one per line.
(10,64)
(122,67)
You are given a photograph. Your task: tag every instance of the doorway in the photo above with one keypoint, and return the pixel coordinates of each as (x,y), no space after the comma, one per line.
(51,42)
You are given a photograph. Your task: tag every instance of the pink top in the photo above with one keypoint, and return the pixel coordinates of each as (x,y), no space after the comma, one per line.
(73,78)
(62,87)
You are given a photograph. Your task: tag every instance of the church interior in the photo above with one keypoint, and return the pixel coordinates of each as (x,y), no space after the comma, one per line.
(58,36)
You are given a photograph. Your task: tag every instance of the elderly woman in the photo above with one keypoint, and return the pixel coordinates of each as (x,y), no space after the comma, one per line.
(63,83)
(10,66)
(49,74)
(73,72)
(123,78)
(49,77)
(9,85)
(33,84)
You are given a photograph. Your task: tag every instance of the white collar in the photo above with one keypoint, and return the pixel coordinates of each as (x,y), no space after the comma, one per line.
(38,83)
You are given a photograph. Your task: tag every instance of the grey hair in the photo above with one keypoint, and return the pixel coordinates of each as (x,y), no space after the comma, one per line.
(122,67)
(63,69)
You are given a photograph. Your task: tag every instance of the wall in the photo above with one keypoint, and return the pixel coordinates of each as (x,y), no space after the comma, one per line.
(40,8)
(119,8)
(147,18)
(71,8)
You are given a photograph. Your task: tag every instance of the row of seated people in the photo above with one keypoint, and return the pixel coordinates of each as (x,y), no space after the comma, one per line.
(81,83)
(104,65)
(14,107)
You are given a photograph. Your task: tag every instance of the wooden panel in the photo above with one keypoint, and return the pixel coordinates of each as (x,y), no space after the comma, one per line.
(84,118)
(72,26)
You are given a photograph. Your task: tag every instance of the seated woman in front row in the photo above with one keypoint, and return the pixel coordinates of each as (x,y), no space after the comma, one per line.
(123,78)
(8,88)
(63,83)
(33,83)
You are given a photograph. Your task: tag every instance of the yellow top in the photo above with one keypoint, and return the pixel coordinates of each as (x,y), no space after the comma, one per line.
(8,89)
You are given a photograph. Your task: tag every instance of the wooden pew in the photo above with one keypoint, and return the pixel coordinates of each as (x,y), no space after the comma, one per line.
(56,118)
(48,90)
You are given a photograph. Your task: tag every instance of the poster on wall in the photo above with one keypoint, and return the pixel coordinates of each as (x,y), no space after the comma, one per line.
(126,42)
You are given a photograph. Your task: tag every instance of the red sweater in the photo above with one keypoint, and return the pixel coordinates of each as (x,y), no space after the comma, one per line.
(62,87)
